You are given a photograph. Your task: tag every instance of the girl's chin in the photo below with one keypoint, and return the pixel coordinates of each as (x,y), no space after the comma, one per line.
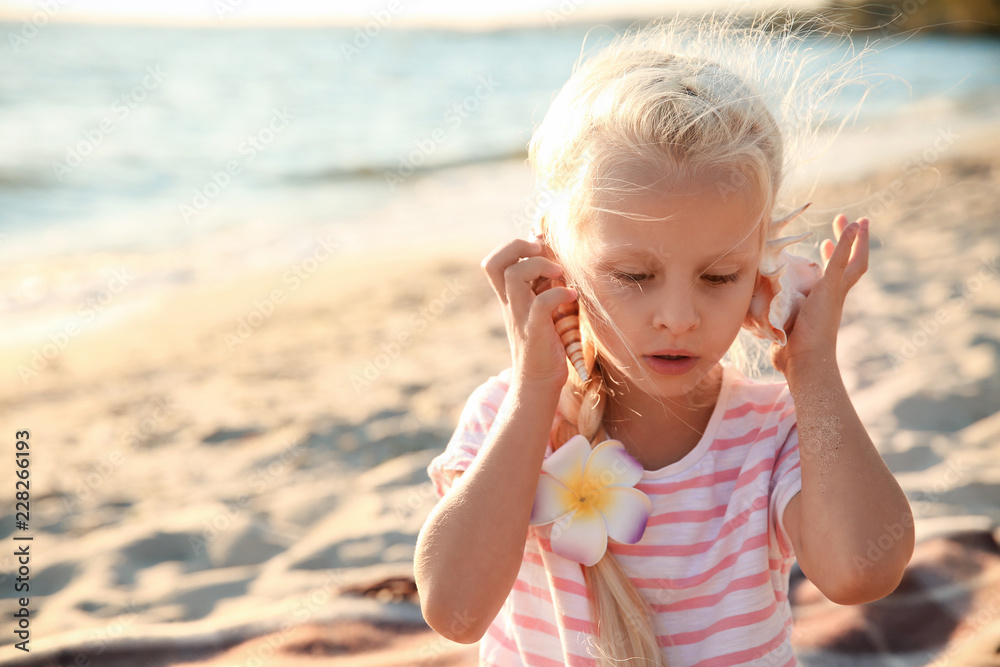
(699,376)
(704,373)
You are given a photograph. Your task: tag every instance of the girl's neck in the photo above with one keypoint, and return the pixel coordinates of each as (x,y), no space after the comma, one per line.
(659,431)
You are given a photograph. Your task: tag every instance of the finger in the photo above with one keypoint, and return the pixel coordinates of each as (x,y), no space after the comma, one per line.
(839,224)
(548,301)
(789,324)
(827,246)
(825,250)
(777,357)
(841,254)
(520,277)
(503,256)
(858,263)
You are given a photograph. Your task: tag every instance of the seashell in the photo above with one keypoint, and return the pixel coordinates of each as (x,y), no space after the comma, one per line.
(785,281)
(566,318)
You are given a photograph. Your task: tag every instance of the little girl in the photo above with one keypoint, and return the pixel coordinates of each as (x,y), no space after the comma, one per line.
(646,509)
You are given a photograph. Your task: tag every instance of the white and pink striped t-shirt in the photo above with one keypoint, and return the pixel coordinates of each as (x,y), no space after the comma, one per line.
(713,562)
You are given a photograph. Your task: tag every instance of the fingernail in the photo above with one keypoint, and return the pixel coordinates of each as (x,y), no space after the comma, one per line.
(864,224)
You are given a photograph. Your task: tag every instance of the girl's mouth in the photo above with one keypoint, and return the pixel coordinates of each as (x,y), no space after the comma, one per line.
(670,364)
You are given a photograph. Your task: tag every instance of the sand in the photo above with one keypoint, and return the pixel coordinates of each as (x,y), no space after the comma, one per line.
(208,492)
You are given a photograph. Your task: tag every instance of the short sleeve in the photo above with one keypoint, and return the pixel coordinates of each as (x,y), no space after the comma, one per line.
(786,479)
(474,425)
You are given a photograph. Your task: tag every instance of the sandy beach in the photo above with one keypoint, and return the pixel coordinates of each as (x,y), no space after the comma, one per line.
(235,474)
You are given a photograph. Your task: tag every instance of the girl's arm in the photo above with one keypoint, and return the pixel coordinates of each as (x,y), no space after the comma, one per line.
(851,525)
(469,550)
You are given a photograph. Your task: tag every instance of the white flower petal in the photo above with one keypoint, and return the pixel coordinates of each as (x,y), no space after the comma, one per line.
(611,465)
(626,512)
(552,500)
(580,537)
(567,463)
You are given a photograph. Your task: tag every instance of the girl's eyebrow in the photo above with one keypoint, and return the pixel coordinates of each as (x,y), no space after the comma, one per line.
(736,252)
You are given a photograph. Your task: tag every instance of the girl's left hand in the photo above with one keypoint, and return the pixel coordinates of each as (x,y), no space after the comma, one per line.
(812,334)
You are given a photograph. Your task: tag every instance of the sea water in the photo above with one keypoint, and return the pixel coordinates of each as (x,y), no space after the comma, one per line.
(201,151)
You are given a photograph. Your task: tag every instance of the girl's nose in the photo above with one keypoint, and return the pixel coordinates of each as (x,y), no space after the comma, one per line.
(676,312)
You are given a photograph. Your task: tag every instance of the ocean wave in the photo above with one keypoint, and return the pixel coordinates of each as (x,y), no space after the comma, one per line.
(22,178)
(400,169)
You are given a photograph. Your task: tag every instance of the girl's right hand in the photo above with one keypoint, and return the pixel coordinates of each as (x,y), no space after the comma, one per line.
(537,353)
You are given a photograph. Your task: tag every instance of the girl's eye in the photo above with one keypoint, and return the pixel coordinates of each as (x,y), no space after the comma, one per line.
(723,279)
(627,278)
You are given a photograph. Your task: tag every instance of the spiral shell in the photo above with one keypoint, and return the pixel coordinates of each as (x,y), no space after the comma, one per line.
(566,318)
(786,280)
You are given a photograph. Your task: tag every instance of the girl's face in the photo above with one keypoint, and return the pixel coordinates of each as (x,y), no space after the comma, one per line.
(678,286)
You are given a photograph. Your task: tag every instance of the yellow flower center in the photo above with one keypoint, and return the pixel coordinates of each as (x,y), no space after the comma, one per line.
(587,494)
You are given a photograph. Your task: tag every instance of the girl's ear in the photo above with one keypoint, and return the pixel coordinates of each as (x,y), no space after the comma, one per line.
(759,283)
(541,227)
(756,319)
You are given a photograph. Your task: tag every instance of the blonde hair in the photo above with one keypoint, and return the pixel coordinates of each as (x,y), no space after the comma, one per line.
(686,99)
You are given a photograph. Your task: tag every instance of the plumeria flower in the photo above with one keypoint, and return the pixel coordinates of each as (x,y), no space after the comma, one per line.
(588,493)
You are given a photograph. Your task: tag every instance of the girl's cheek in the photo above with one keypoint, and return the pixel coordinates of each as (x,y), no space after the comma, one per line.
(613,301)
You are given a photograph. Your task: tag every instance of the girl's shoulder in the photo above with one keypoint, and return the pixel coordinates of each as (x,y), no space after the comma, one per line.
(476,419)
(491,392)
(492,389)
